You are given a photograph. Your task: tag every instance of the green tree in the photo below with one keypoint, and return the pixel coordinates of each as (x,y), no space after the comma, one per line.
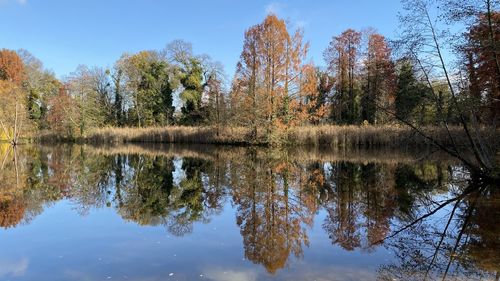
(408,91)
(192,81)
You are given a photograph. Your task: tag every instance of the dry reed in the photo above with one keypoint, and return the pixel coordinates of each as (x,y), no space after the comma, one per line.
(386,136)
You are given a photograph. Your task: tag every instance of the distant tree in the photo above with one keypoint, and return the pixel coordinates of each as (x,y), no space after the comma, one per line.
(325,85)
(311,107)
(150,83)
(408,94)
(482,64)
(267,85)
(379,80)
(40,85)
(215,102)
(11,67)
(341,58)
(191,78)
(89,87)
(118,88)
(13,114)
(64,114)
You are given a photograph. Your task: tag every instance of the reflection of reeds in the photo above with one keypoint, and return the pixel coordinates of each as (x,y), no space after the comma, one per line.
(325,136)
(299,154)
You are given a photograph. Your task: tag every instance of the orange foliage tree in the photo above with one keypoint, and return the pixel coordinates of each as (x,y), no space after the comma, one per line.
(482,65)
(63,114)
(380,79)
(11,67)
(270,78)
(341,58)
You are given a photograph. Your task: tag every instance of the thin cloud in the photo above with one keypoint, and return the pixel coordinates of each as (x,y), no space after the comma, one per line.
(289,13)
(274,8)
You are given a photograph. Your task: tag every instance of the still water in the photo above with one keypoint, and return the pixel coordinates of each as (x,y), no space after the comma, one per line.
(242,214)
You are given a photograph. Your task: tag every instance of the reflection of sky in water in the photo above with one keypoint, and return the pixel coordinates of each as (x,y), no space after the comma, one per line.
(178,172)
(66,246)
(16,268)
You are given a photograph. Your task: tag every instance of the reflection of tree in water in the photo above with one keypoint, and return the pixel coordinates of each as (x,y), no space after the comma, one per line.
(11,212)
(274,209)
(276,200)
(150,197)
(361,204)
(364,198)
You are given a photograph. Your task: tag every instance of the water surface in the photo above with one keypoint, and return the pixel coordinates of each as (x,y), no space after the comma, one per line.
(231,213)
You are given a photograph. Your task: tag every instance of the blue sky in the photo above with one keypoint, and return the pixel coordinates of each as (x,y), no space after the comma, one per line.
(66,33)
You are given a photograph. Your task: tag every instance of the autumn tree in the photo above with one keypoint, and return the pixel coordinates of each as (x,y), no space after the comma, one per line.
(311,103)
(270,76)
(481,62)
(63,115)
(13,107)
(341,58)
(325,85)
(379,80)
(13,113)
(11,67)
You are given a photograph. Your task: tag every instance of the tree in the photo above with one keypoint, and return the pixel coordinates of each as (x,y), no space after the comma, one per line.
(423,41)
(325,85)
(245,94)
(13,114)
(481,65)
(379,84)
(89,87)
(269,78)
(341,56)
(118,87)
(215,103)
(40,85)
(191,79)
(150,85)
(311,107)
(64,115)
(11,67)
(408,94)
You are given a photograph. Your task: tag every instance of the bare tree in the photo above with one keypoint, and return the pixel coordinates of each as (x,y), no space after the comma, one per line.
(423,39)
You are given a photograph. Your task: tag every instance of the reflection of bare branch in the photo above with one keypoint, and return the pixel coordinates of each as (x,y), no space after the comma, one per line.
(459,238)
(6,132)
(442,238)
(5,158)
(14,138)
(468,191)
(15,164)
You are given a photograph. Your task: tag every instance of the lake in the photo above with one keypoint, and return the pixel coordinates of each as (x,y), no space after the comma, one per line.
(172,212)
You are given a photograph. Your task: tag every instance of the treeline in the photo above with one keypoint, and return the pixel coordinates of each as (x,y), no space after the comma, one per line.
(369,79)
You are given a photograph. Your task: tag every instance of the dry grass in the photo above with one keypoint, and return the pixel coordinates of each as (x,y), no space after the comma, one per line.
(371,136)
(174,134)
(389,136)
